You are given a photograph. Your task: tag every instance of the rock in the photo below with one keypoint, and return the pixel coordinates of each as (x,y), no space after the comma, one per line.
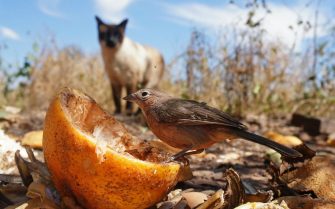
(309,124)
(313,126)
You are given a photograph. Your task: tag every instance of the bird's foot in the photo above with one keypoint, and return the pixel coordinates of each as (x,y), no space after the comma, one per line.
(180,156)
(181,159)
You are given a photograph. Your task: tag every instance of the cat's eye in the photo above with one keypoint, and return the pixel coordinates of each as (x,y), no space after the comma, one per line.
(116,33)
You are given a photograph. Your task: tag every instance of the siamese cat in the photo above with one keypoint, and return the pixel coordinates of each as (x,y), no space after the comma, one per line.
(128,64)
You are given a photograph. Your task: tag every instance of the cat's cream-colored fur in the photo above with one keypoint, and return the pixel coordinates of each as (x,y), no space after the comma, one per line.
(133,65)
(129,64)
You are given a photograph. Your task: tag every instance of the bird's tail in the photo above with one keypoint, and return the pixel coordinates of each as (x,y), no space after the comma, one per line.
(283,150)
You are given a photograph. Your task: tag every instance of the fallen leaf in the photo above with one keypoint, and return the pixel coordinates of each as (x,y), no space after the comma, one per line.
(215,201)
(194,199)
(34,204)
(290,141)
(33,139)
(23,168)
(259,197)
(182,204)
(331,140)
(234,192)
(231,197)
(316,175)
(305,202)
(38,193)
(260,205)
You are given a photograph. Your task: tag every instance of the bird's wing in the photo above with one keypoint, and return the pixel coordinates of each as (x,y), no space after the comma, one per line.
(189,112)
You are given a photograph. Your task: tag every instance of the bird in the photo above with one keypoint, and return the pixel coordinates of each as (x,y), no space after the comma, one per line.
(193,126)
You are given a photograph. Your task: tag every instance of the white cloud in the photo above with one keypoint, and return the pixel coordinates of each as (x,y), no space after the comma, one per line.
(276,24)
(50,7)
(201,14)
(9,33)
(112,10)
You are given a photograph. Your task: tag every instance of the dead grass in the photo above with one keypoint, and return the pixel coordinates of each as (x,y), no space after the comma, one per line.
(69,66)
(251,74)
(247,74)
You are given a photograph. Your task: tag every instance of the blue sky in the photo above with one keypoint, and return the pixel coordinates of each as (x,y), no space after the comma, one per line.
(165,25)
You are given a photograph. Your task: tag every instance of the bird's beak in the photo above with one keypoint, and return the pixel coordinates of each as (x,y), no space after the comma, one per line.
(130,97)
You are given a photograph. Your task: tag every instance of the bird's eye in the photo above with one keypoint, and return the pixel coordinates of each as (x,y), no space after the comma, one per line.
(144,94)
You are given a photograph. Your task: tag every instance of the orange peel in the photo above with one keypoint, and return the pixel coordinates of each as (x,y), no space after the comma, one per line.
(113,178)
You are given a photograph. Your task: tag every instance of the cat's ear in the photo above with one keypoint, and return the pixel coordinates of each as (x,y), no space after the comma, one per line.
(123,24)
(99,21)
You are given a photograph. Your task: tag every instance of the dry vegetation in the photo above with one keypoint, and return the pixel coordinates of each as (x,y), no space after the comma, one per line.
(239,71)
(52,69)
(250,73)
(246,73)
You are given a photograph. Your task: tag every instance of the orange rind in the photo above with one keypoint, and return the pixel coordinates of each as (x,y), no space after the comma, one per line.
(95,160)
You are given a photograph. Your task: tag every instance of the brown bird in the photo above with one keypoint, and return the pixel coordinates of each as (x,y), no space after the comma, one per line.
(193,126)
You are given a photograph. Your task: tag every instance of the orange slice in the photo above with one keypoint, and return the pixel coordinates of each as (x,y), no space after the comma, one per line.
(92,157)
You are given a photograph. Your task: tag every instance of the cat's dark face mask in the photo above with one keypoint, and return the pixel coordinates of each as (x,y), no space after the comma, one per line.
(111,34)
(112,38)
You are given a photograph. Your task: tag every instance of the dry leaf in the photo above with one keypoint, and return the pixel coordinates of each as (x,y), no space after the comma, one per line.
(316,175)
(260,205)
(305,202)
(290,141)
(34,204)
(331,140)
(215,201)
(33,139)
(194,199)
(233,195)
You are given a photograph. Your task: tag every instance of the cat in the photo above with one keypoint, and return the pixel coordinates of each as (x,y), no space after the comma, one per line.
(128,64)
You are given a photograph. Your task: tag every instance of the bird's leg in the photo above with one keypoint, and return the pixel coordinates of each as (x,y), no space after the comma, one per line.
(180,154)
(185,152)
(193,152)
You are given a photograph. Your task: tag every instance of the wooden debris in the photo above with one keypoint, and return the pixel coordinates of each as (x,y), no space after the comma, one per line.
(308,124)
